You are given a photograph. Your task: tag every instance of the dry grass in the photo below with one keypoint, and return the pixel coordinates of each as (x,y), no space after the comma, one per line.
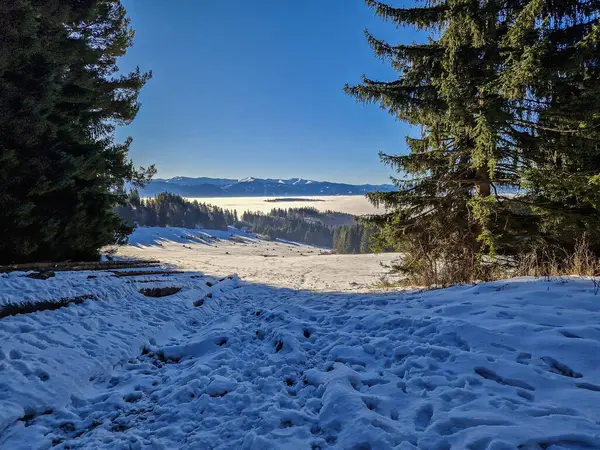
(550,265)
(385,283)
(581,262)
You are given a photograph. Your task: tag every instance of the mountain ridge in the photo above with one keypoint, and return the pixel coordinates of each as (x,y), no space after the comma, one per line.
(255,187)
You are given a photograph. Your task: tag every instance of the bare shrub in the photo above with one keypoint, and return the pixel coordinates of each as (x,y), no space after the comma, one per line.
(581,261)
(436,269)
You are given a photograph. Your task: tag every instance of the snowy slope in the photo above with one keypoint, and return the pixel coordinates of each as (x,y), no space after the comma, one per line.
(504,365)
(48,356)
(281,264)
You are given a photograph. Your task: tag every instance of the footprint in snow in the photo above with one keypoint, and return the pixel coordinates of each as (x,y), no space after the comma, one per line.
(423,417)
(588,386)
(560,368)
(569,335)
(502,346)
(493,376)
(524,358)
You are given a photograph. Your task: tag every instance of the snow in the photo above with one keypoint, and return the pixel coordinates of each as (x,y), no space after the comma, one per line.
(48,356)
(277,263)
(159,236)
(261,365)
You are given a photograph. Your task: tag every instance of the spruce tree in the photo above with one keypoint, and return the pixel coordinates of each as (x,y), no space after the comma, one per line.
(441,212)
(485,89)
(61,172)
(366,238)
(552,80)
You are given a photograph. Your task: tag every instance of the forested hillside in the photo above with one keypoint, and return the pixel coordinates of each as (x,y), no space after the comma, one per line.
(170,210)
(328,229)
(332,229)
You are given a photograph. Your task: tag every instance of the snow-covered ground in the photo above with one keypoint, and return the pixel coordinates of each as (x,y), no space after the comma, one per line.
(257,365)
(279,264)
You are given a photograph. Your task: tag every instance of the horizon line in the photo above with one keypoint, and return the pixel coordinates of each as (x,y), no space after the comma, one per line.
(266,178)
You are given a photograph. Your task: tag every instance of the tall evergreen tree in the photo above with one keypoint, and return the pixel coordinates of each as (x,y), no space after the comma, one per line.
(61,172)
(552,80)
(483,88)
(366,239)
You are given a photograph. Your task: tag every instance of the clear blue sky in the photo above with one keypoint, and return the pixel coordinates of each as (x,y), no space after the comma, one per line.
(255,88)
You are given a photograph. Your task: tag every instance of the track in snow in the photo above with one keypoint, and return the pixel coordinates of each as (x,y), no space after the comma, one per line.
(484,367)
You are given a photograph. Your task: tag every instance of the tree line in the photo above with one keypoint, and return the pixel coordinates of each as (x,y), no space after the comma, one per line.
(289,224)
(171,210)
(504,96)
(353,239)
(331,229)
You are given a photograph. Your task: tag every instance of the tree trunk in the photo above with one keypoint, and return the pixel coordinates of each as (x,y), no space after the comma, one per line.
(483,186)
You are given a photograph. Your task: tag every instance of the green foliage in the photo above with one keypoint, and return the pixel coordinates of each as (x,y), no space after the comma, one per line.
(171,210)
(61,172)
(323,228)
(353,239)
(296,224)
(505,96)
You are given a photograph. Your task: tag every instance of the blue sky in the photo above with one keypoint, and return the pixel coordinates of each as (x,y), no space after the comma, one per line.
(255,88)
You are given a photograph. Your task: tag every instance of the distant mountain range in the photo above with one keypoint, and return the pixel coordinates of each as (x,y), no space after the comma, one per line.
(255,187)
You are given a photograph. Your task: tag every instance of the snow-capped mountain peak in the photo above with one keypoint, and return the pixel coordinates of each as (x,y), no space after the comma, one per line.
(251,186)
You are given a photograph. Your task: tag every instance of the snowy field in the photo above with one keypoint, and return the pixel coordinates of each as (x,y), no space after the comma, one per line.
(350,204)
(279,264)
(273,361)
